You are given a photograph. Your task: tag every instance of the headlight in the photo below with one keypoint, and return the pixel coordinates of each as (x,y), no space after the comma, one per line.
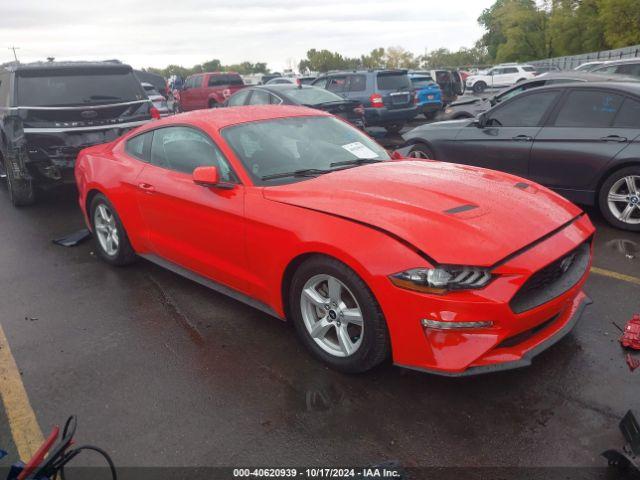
(442,279)
(448,110)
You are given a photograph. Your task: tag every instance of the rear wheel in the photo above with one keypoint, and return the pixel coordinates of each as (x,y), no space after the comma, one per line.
(479,87)
(420,150)
(112,242)
(337,317)
(619,199)
(21,191)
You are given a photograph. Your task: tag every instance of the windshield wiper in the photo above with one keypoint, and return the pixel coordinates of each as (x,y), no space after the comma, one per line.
(306,172)
(359,161)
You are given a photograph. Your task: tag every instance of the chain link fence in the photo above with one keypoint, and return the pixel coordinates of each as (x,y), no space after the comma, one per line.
(572,61)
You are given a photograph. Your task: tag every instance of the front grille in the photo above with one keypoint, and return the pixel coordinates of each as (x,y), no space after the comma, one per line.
(526,335)
(553,280)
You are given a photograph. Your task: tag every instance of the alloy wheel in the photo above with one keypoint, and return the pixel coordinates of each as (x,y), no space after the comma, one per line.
(332,316)
(106,229)
(418,154)
(624,199)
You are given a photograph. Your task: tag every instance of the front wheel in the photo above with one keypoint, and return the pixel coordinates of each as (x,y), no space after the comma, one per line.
(421,151)
(337,317)
(112,242)
(619,199)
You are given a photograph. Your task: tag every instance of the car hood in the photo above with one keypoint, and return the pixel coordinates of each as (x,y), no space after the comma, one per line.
(455,214)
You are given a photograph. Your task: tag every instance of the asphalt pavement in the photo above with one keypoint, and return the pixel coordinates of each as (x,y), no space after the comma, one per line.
(163,372)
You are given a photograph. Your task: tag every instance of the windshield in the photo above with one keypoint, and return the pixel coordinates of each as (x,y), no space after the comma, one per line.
(422,82)
(42,88)
(284,145)
(312,95)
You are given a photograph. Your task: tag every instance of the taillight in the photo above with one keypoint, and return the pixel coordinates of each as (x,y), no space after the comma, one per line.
(415,98)
(155,113)
(376,100)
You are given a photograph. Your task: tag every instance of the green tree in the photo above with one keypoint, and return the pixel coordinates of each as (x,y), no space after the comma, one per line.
(375,59)
(621,21)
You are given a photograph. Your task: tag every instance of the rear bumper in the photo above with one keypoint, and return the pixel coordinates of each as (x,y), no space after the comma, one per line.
(385,116)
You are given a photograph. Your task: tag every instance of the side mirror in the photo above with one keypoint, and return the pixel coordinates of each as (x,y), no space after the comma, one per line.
(210,177)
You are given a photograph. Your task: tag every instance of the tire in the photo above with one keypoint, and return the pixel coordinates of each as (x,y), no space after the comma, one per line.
(123,253)
(22,192)
(369,344)
(213,104)
(479,87)
(394,128)
(617,184)
(430,115)
(420,150)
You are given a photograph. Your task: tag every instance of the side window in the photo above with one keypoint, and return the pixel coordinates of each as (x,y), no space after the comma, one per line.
(510,70)
(320,83)
(337,84)
(629,115)
(136,146)
(495,71)
(523,111)
(632,69)
(357,83)
(239,98)
(260,97)
(589,109)
(184,149)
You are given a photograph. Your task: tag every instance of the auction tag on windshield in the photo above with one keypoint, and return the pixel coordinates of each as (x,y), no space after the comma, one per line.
(360,150)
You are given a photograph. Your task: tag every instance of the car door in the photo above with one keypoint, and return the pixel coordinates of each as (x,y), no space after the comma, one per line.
(356,88)
(199,228)
(337,84)
(589,129)
(504,141)
(262,97)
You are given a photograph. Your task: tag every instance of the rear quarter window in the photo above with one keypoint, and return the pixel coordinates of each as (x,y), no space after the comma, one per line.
(224,80)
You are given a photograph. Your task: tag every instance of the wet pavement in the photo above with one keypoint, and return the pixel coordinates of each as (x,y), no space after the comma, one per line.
(162,371)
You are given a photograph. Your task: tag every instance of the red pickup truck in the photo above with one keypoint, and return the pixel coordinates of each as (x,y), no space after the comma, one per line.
(208,90)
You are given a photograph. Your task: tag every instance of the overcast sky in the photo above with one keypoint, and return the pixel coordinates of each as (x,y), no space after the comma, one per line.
(186,32)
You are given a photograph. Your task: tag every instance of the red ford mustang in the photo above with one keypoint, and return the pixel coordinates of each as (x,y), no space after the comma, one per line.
(447,268)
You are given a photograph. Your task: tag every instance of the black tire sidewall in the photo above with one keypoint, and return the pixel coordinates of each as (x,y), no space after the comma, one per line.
(373,349)
(424,149)
(21,192)
(479,87)
(125,253)
(603,198)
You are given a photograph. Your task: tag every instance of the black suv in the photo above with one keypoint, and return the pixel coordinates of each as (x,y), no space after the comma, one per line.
(50,111)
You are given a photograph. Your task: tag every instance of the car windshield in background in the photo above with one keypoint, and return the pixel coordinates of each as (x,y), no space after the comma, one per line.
(306,145)
(393,81)
(312,95)
(51,88)
(221,80)
(422,82)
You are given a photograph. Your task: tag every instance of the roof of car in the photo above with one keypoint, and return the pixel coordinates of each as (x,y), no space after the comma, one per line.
(219,118)
(61,65)
(624,87)
(586,76)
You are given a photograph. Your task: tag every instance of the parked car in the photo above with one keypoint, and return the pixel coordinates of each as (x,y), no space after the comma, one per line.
(306,80)
(428,94)
(306,218)
(540,69)
(158,100)
(470,107)
(269,76)
(499,76)
(50,111)
(158,81)
(629,67)
(282,80)
(387,95)
(208,90)
(580,139)
(450,82)
(305,95)
(588,66)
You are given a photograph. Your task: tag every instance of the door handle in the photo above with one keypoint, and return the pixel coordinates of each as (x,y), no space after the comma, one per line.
(614,138)
(146,187)
(523,138)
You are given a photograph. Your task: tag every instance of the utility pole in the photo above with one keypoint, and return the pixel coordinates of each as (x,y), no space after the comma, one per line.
(14,52)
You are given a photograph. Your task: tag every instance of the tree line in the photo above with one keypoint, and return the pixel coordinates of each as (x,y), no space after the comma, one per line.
(515,31)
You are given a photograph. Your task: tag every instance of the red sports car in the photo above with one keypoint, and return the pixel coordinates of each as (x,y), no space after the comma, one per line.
(446,268)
